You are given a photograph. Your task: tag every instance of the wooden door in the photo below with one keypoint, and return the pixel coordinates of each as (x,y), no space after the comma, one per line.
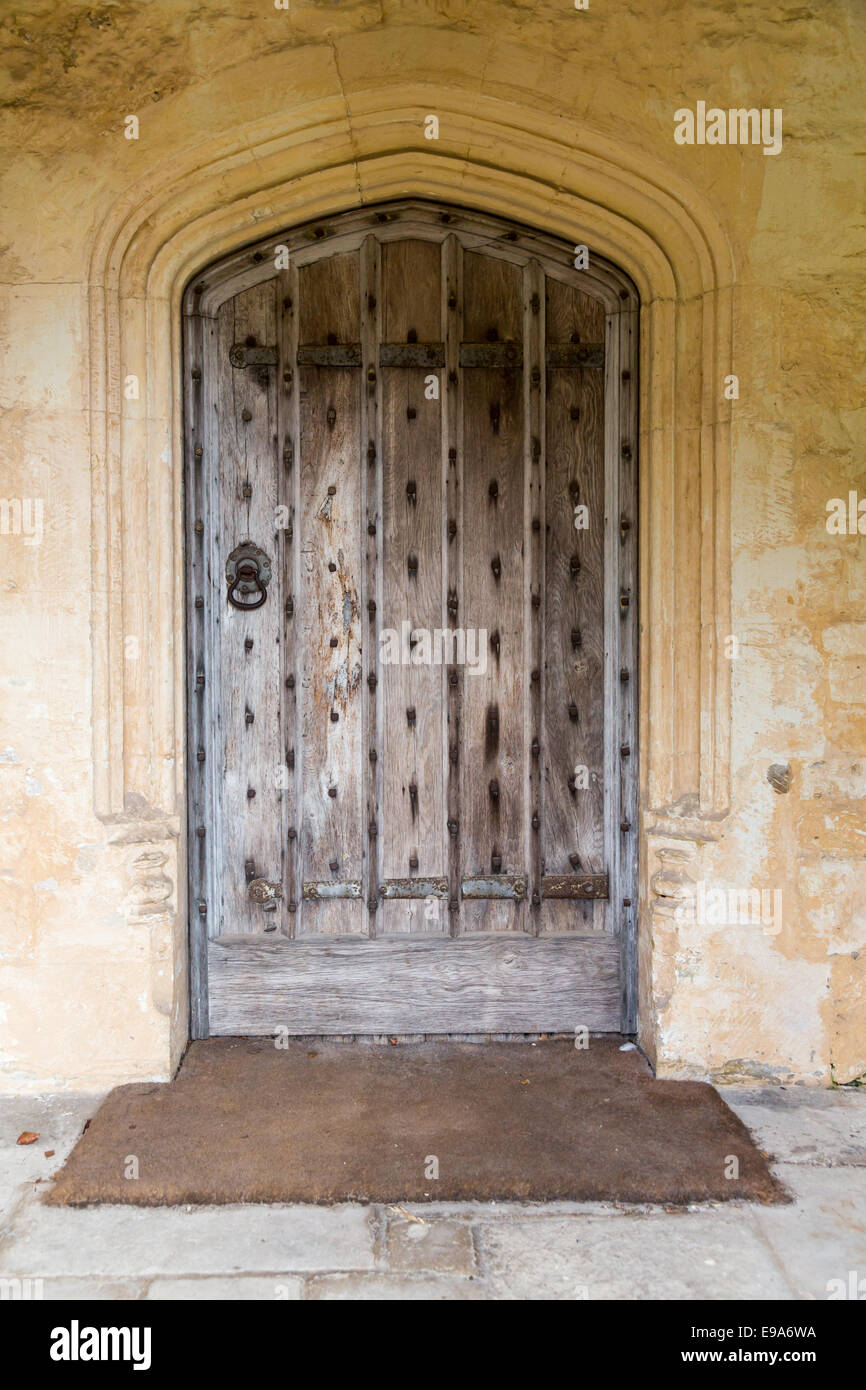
(411,622)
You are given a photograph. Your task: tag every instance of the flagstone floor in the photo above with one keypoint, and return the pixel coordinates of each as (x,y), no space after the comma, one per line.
(813,1248)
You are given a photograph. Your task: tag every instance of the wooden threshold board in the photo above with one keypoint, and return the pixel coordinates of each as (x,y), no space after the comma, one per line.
(411,985)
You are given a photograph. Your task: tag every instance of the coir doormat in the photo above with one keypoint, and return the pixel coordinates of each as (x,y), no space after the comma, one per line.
(246,1121)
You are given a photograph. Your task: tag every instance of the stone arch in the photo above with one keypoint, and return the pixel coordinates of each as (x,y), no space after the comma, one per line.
(497,159)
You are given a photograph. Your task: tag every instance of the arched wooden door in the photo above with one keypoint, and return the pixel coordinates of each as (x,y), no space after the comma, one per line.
(411,531)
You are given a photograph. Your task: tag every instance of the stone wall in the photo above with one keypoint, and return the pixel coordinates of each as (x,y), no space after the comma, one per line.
(249,118)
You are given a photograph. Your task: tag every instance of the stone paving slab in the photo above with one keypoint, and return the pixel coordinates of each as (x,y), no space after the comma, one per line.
(388,1288)
(274,1288)
(824,1234)
(804,1125)
(116,1242)
(701,1255)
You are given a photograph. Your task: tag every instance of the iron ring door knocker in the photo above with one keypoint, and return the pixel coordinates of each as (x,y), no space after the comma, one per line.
(248,572)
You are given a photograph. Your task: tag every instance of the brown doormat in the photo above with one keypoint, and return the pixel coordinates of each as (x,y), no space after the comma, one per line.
(246,1121)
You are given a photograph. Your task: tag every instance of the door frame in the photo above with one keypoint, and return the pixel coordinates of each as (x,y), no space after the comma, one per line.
(430,220)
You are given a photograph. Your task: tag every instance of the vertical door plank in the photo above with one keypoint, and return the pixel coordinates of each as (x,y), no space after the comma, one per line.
(492,757)
(330,698)
(288,473)
(371,592)
(413,783)
(250,651)
(452,577)
(575,590)
(533,604)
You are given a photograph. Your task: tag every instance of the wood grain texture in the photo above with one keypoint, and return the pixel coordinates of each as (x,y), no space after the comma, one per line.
(250,656)
(476,984)
(492,826)
(330,632)
(413,807)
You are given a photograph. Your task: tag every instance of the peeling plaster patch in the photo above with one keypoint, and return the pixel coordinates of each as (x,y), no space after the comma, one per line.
(46,885)
(8,755)
(32,786)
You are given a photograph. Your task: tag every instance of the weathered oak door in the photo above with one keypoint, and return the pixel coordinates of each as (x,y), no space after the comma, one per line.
(411,632)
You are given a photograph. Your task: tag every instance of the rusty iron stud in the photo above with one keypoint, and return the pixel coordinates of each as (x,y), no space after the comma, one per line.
(332,567)
(536,748)
(290,682)
(626,451)
(574,489)
(292,833)
(452,456)
(575,412)
(572,783)
(335,718)
(411,412)
(249,870)
(452,378)
(374,756)
(202,908)
(290,758)
(535,676)
(334,642)
(249,717)
(371,302)
(625,825)
(536,449)
(371,452)
(293,906)
(412,564)
(494,417)
(411,492)
(492,722)
(199,679)
(452,529)
(372,830)
(626,902)
(535,821)
(495,642)
(413,863)
(624,601)
(536,899)
(496,566)
(493,491)
(624,675)
(246,416)
(333,865)
(371,607)
(536,600)
(452,301)
(572,712)
(574,861)
(200,831)
(453,827)
(625,750)
(536,524)
(196,373)
(576,638)
(493,788)
(452,678)
(198,527)
(452,602)
(534,303)
(199,601)
(200,755)
(535,376)
(412,336)
(371,375)
(331,417)
(290,607)
(453,905)
(410,716)
(496,863)
(332,791)
(372,680)
(574,564)
(251,793)
(371,528)
(492,335)
(624,526)
(453,754)
(372,904)
(248,644)
(198,451)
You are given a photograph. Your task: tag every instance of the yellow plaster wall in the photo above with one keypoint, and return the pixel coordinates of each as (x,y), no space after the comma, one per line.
(92,988)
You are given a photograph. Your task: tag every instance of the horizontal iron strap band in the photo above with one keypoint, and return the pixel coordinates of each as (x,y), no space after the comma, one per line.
(412,355)
(321,892)
(495,886)
(242,356)
(414,888)
(575,355)
(330,355)
(491,354)
(575,886)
